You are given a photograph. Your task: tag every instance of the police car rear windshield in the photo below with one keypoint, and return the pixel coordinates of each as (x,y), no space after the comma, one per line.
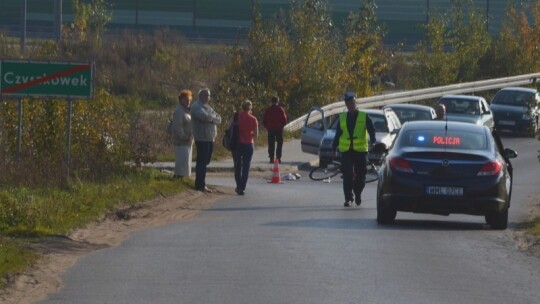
(445,140)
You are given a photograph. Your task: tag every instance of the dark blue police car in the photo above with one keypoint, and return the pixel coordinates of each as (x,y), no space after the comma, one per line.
(444,167)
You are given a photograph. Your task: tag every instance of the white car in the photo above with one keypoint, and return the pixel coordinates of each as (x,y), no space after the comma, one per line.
(317,137)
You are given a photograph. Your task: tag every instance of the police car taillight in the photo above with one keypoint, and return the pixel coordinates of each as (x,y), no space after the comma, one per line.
(401,164)
(490,168)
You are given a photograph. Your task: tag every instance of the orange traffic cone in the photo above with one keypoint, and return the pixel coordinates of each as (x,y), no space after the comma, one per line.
(276,177)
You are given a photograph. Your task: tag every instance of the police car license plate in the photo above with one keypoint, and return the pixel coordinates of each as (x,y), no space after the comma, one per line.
(448,191)
(507,122)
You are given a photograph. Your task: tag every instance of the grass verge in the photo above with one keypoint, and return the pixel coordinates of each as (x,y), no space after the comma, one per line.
(29,213)
(14,259)
(532,227)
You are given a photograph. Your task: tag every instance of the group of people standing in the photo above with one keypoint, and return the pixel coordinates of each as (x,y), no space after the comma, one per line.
(198,122)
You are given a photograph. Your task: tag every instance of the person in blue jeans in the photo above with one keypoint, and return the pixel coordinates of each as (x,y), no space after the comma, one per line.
(248,130)
(204,121)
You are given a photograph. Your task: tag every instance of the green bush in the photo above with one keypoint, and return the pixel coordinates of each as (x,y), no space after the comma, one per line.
(15,214)
(99,143)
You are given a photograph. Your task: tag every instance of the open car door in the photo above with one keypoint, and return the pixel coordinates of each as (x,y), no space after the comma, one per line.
(313,130)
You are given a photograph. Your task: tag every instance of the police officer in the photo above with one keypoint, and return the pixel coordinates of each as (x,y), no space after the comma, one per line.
(351,141)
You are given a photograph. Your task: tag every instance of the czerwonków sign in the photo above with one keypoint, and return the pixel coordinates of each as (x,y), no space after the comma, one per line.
(34,78)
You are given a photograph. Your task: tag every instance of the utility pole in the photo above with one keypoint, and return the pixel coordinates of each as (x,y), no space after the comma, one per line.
(427,11)
(23,25)
(194,14)
(58,20)
(137,5)
(487,15)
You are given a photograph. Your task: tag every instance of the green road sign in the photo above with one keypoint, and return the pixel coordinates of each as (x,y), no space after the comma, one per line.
(34,78)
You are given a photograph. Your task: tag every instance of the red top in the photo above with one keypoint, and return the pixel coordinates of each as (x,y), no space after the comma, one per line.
(247,124)
(274,118)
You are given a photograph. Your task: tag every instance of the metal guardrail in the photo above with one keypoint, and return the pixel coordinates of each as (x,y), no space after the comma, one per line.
(414,95)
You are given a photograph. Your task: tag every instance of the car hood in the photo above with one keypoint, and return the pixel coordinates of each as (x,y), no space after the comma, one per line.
(463,118)
(508,109)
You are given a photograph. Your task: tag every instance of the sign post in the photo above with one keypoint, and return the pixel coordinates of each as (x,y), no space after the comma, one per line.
(19,132)
(46,79)
(68,139)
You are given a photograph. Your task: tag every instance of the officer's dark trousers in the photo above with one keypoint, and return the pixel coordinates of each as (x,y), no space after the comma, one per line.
(353,167)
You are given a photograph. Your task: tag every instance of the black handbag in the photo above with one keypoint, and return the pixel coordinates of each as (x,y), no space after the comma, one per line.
(230,138)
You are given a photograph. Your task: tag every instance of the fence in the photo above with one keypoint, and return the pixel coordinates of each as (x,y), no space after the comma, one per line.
(415,95)
(217,18)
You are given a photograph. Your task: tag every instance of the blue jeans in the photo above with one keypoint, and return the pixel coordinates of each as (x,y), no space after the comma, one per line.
(204,155)
(242,161)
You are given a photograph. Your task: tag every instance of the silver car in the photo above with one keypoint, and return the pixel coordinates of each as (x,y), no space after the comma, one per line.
(317,137)
(468,108)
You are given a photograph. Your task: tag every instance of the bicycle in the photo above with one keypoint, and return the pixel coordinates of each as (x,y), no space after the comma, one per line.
(333,168)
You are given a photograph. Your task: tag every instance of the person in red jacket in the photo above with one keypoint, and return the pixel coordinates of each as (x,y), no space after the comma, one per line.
(274,120)
(248,131)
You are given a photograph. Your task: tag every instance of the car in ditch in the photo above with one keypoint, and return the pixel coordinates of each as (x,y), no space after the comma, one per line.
(467,108)
(445,167)
(317,138)
(517,110)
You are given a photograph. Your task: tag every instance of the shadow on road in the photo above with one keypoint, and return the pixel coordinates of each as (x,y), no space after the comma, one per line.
(371,224)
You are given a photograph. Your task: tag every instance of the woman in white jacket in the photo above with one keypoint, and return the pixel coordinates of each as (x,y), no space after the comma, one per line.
(182,136)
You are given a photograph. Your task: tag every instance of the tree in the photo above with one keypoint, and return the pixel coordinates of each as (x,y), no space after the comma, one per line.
(455,43)
(469,38)
(516,50)
(90,20)
(304,58)
(433,64)
(364,52)
(293,54)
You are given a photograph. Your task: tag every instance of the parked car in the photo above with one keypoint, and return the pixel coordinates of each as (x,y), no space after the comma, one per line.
(445,167)
(317,139)
(468,108)
(410,112)
(517,109)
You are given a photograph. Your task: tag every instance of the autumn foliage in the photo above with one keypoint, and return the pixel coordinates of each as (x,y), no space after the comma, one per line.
(299,54)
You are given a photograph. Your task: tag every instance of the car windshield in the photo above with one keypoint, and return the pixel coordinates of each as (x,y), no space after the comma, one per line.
(446,140)
(377,119)
(412,114)
(461,106)
(379,123)
(513,98)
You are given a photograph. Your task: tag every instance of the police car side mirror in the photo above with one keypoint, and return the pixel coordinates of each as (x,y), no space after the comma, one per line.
(510,153)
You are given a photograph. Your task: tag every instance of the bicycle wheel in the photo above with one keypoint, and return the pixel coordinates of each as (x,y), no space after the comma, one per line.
(372,173)
(319,173)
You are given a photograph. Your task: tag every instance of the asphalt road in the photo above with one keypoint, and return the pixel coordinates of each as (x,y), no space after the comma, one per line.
(295,243)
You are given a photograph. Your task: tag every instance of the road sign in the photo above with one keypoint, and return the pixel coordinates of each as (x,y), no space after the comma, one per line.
(34,78)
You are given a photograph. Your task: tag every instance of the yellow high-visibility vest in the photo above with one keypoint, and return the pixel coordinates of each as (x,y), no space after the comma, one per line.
(360,142)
